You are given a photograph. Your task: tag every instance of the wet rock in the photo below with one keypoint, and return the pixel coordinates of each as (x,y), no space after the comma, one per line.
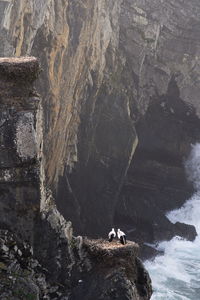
(148,252)
(186,231)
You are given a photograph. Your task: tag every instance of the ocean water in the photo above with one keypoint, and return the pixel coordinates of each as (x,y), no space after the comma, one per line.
(176,274)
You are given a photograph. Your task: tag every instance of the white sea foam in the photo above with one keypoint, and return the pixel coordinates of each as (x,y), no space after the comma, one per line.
(176,274)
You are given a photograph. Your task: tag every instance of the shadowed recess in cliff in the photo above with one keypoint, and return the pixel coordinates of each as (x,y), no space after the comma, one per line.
(156,179)
(96,180)
(131,47)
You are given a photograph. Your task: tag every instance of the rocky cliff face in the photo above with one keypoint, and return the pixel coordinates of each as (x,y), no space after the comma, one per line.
(122,276)
(39,257)
(20,192)
(113,72)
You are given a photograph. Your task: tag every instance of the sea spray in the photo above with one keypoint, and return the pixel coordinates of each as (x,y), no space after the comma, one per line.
(192,166)
(176,274)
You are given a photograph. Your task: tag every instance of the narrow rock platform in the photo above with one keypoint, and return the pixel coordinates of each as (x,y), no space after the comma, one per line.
(25,67)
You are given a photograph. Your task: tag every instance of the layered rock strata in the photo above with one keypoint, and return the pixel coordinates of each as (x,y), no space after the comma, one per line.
(106,65)
(25,209)
(39,257)
(19,168)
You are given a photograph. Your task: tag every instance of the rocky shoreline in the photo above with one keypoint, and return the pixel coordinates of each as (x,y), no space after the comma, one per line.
(120,90)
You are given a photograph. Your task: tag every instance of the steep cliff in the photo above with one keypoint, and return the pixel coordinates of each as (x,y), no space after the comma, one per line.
(39,256)
(24,217)
(19,169)
(115,71)
(114,272)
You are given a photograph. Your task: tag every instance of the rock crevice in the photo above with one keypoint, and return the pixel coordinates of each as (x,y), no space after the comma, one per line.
(39,257)
(117,74)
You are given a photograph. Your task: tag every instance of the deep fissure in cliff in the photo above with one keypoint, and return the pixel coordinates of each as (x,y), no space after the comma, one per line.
(110,67)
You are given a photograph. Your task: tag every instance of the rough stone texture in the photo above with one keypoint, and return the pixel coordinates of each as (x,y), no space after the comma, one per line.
(26,145)
(19,169)
(156,181)
(113,272)
(21,185)
(107,271)
(105,62)
(22,276)
(28,210)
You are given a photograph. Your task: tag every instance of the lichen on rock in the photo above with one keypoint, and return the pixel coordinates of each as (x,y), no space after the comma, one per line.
(25,137)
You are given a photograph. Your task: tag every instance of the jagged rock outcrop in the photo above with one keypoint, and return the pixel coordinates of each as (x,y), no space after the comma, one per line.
(19,169)
(113,272)
(24,211)
(39,257)
(104,63)
(22,276)
(106,271)
(156,181)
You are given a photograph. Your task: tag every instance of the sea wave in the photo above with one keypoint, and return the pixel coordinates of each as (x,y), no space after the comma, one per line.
(176,274)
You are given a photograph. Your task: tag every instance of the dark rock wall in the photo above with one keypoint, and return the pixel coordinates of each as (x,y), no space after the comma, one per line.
(113,272)
(21,185)
(28,211)
(19,169)
(108,70)
(99,273)
(156,180)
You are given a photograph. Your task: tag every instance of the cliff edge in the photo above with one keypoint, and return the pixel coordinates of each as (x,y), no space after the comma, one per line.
(120,93)
(114,271)
(39,257)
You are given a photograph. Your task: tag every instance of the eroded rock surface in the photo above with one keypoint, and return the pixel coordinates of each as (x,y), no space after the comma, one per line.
(114,272)
(105,62)
(19,169)
(22,276)
(39,257)
(106,272)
